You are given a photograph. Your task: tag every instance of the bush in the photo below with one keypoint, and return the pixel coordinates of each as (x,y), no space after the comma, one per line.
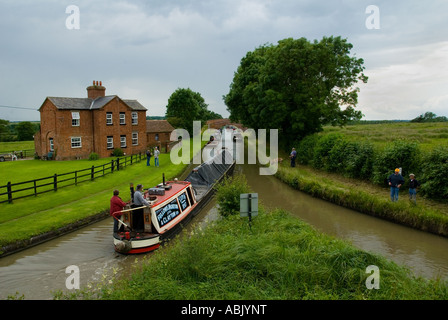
(323,149)
(94,156)
(305,149)
(118,152)
(434,173)
(228,194)
(399,154)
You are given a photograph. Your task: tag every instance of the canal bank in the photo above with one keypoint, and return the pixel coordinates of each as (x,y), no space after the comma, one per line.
(371,200)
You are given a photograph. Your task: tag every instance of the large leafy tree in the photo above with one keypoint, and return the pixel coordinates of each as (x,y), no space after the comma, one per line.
(296,86)
(185,106)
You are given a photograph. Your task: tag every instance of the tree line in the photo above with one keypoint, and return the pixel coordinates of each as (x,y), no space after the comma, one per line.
(17,131)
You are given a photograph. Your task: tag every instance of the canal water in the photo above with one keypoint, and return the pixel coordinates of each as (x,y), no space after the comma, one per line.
(41,270)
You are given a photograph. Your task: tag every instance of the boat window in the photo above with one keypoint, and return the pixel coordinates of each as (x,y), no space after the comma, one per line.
(167,213)
(183,201)
(190,196)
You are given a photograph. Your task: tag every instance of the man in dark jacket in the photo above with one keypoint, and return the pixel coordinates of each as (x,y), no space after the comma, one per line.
(395,181)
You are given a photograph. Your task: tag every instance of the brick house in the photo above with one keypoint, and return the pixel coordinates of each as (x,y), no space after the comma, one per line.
(73,128)
(158,134)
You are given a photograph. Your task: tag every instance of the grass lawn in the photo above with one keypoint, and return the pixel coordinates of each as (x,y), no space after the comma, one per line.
(427,135)
(16,146)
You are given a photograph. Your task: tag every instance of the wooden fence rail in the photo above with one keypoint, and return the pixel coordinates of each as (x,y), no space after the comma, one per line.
(19,190)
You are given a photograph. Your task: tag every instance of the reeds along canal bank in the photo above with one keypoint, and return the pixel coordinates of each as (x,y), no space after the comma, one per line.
(418,217)
(279,258)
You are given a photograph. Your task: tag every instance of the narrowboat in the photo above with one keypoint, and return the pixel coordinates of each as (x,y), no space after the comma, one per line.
(172,206)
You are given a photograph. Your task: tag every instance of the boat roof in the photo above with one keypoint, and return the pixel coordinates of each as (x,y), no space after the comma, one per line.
(176,188)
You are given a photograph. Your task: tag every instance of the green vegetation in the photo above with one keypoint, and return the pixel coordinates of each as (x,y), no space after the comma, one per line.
(185,106)
(296,86)
(372,152)
(17,131)
(228,194)
(280,258)
(16,146)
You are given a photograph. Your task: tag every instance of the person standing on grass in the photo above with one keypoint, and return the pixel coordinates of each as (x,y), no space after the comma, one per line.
(395,181)
(413,185)
(148,157)
(156,156)
(293,157)
(116,206)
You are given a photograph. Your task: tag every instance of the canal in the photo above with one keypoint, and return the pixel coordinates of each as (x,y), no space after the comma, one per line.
(38,271)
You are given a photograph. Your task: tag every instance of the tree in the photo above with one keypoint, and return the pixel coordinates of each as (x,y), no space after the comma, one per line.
(429,117)
(296,86)
(25,131)
(184,107)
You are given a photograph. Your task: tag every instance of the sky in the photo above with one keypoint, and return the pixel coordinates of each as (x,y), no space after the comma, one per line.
(146,49)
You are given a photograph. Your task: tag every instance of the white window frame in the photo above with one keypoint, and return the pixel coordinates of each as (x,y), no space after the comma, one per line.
(122,118)
(135,138)
(75,119)
(110,142)
(123,142)
(134,118)
(109,119)
(75,143)
(51,144)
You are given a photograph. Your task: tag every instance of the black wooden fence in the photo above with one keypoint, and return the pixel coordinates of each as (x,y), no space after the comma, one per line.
(19,190)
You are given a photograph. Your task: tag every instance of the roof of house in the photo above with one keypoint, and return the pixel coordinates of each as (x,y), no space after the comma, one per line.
(156,126)
(90,104)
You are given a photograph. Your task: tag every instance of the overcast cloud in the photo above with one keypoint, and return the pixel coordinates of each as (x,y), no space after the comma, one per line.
(145,50)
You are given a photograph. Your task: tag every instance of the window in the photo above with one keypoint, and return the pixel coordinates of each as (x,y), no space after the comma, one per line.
(51,144)
(157,137)
(76,142)
(183,201)
(134,118)
(110,142)
(123,141)
(109,119)
(75,119)
(122,118)
(135,138)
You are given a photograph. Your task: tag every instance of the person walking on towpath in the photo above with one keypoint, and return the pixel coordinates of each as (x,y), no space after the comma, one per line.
(148,157)
(395,181)
(156,156)
(293,157)
(413,185)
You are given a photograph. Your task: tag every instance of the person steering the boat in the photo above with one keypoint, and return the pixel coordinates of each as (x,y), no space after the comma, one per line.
(137,215)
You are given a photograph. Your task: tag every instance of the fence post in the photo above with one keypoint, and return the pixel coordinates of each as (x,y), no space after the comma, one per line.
(92,173)
(112,166)
(55,182)
(76,178)
(35,188)
(9,192)
(118,164)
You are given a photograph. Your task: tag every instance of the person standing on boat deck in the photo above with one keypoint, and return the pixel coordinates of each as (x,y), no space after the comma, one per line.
(148,157)
(116,206)
(293,157)
(137,215)
(413,185)
(156,156)
(395,181)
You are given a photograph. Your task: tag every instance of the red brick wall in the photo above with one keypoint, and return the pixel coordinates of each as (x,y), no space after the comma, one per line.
(92,130)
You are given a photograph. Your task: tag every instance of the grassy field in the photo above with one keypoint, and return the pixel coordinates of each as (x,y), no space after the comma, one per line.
(427,135)
(280,258)
(16,146)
